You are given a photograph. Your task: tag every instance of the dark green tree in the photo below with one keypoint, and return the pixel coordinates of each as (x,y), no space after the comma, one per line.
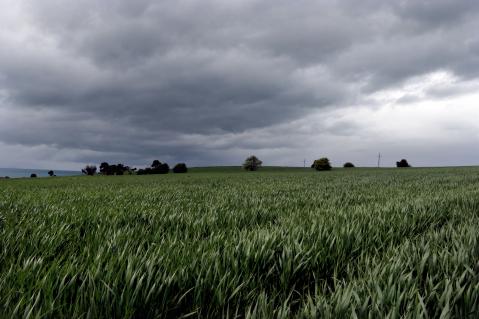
(155,164)
(89,170)
(118,169)
(157,167)
(252,163)
(403,163)
(322,164)
(180,168)
(105,169)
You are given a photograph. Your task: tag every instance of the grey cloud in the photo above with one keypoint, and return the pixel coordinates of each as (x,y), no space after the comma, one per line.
(435,13)
(408,98)
(135,79)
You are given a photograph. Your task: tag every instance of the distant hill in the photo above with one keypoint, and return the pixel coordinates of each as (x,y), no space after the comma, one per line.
(25,172)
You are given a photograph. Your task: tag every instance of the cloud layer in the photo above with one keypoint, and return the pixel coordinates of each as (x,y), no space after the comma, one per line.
(208,82)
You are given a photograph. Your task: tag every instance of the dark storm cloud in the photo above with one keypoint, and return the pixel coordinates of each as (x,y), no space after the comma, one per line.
(435,13)
(138,79)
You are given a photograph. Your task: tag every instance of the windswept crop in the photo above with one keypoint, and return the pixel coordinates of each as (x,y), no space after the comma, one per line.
(359,243)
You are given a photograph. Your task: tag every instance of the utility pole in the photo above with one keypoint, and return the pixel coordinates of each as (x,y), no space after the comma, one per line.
(379,160)
(304,163)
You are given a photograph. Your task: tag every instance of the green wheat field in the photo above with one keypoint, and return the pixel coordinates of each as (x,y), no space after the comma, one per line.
(225,243)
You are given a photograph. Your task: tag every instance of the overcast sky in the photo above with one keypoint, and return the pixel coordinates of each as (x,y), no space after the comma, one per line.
(210,82)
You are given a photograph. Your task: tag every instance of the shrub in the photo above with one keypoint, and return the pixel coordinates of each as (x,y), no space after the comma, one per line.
(51,173)
(33,175)
(322,164)
(348,165)
(89,170)
(143,171)
(180,168)
(403,163)
(252,163)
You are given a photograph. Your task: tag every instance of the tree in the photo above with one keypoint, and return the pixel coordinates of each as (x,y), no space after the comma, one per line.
(51,173)
(89,170)
(252,163)
(157,167)
(180,168)
(155,164)
(163,169)
(348,165)
(403,163)
(160,168)
(118,169)
(322,164)
(33,175)
(105,168)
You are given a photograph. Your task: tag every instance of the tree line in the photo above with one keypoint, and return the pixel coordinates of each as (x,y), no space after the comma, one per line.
(252,163)
(156,167)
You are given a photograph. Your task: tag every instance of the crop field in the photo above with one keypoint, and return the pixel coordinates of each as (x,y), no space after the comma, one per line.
(224,243)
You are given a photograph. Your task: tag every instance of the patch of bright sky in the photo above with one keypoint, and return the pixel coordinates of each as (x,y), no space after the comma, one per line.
(416,87)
